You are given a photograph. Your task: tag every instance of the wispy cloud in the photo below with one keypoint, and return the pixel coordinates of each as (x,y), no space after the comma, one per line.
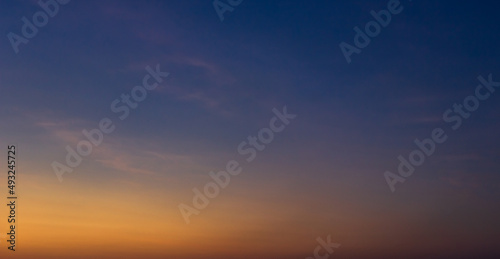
(112,153)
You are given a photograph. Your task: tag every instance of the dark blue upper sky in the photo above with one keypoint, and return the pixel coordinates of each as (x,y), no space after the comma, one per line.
(227,76)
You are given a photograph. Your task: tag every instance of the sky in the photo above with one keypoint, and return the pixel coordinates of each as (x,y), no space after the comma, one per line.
(219,82)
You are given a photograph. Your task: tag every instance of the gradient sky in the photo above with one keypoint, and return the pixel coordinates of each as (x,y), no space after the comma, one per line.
(323,175)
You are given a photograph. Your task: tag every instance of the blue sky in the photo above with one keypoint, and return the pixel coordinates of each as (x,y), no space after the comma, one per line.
(353,119)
